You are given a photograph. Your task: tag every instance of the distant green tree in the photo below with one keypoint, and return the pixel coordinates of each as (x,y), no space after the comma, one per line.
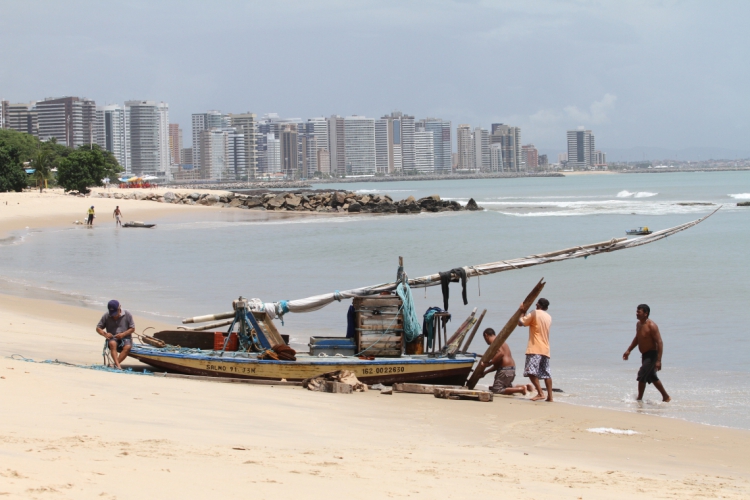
(42,165)
(26,145)
(12,173)
(83,168)
(112,167)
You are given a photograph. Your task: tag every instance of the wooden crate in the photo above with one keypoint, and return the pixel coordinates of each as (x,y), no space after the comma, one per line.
(379,326)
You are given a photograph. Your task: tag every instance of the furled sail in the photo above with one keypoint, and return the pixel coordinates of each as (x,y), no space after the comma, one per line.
(316,302)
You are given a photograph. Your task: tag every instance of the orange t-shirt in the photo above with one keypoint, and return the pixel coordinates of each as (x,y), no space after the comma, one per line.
(538,322)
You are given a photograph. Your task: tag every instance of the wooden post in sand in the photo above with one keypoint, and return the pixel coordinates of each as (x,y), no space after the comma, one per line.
(503,335)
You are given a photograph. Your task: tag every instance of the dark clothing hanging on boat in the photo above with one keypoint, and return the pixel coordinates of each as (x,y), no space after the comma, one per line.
(445,278)
(350,323)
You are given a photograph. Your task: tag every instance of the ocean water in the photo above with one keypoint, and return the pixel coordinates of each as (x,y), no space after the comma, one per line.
(697,282)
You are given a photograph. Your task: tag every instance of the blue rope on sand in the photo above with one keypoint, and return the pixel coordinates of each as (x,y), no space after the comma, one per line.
(103,368)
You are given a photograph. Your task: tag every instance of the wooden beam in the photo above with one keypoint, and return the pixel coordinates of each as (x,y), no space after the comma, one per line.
(412,388)
(484,396)
(473,332)
(503,335)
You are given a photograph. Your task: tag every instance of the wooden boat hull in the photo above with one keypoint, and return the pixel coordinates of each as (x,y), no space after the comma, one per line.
(382,370)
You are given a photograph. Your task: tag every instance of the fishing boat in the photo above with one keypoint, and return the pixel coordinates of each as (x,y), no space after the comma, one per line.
(135,223)
(385,344)
(641,231)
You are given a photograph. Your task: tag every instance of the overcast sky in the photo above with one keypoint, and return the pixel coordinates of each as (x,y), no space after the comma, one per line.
(671,74)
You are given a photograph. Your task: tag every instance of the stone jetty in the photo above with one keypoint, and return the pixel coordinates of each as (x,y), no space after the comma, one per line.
(304,201)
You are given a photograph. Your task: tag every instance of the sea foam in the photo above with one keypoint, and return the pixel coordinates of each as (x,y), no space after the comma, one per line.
(740,196)
(609,430)
(640,194)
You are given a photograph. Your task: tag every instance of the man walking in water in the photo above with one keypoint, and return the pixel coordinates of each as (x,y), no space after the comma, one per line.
(648,339)
(117,214)
(90,220)
(537,351)
(505,367)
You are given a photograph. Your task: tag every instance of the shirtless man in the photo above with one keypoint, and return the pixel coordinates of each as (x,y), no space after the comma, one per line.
(506,369)
(648,339)
(117,214)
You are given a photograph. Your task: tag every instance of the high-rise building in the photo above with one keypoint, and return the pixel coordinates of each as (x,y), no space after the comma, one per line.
(270,123)
(482,150)
(20,117)
(465,148)
(441,142)
(543,162)
(175,144)
(324,161)
(272,155)
(424,150)
(318,128)
(496,157)
(337,145)
(247,123)
(510,139)
(601,159)
(402,129)
(187,156)
(70,120)
(205,121)
(223,154)
(359,149)
(289,146)
(388,143)
(111,133)
(581,149)
(148,138)
(382,146)
(530,156)
(3,113)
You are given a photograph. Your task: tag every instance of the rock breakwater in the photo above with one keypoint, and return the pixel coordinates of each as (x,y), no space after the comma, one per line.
(318,201)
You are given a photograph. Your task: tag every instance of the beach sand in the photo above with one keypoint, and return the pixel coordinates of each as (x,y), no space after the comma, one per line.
(68,432)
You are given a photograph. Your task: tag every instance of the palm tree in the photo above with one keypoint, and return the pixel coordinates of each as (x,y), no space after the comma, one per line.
(42,162)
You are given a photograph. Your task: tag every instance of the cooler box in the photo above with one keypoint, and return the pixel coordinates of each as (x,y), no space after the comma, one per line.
(332,346)
(220,337)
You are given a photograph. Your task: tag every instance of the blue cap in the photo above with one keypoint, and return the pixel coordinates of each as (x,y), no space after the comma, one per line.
(113,306)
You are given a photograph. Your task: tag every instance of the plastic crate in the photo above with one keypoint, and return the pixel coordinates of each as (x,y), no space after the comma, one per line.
(232,345)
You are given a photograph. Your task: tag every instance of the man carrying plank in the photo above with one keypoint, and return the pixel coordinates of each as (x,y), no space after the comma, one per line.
(502,363)
(537,351)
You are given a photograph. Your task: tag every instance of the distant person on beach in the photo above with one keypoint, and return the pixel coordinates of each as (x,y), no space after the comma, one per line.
(90,220)
(117,327)
(117,214)
(648,340)
(537,351)
(505,367)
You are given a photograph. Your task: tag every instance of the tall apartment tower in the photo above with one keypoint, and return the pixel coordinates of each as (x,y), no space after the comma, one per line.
(404,155)
(205,121)
(112,133)
(148,137)
(510,139)
(273,155)
(481,150)
(465,148)
(70,120)
(581,149)
(441,142)
(359,145)
(337,145)
(223,154)
(20,117)
(496,158)
(175,144)
(289,147)
(3,113)
(424,151)
(247,124)
(530,156)
(388,144)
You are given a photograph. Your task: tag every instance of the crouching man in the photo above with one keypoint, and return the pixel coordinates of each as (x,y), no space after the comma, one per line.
(117,327)
(505,367)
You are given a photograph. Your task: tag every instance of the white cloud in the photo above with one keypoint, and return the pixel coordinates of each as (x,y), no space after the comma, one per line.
(597,112)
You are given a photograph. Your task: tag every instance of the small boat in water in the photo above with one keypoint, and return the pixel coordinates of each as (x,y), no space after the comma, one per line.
(641,231)
(135,223)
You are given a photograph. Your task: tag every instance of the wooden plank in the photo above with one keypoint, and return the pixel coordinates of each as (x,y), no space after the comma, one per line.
(186,338)
(228,380)
(372,337)
(381,309)
(474,331)
(382,327)
(273,335)
(484,396)
(412,388)
(503,335)
(377,301)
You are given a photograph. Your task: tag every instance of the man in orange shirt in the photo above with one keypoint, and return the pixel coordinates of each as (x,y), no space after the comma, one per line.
(537,351)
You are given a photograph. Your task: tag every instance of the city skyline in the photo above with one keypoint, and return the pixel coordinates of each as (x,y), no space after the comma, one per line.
(648,75)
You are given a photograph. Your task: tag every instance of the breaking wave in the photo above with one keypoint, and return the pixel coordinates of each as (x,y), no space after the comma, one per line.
(740,196)
(639,194)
